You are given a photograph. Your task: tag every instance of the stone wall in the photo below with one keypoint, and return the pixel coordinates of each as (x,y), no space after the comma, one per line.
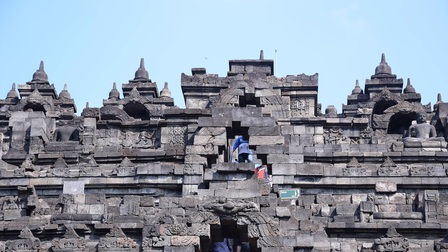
(141,174)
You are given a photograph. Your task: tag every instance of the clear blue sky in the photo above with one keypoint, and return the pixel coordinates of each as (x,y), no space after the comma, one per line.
(90,44)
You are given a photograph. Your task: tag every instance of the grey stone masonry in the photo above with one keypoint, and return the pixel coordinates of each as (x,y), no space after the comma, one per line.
(141,174)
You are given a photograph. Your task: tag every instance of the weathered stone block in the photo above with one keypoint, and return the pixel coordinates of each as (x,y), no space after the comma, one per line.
(386,187)
(79,198)
(325,199)
(310,169)
(282,212)
(272,149)
(326,211)
(397,198)
(192,179)
(381,199)
(387,208)
(345,208)
(258,121)
(304,240)
(184,241)
(358,198)
(200,229)
(295,158)
(278,158)
(83,209)
(73,187)
(95,198)
(264,131)
(11,214)
(367,207)
(96,209)
(266,140)
(436,170)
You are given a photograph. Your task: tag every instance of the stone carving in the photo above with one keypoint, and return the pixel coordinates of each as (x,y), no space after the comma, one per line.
(335,136)
(10,209)
(392,241)
(430,208)
(173,229)
(276,106)
(36,102)
(88,167)
(162,173)
(422,130)
(267,241)
(66,132)
(228,97)
(116,239)
(354,169)
(185,240)
(26,242)
(125,168)
(153,225)
(259,224)
(387,95)
(353,163)
(59,168)
(114,113)
(70,242)
(389,168)
(151,230)
(147,139)
(204,217)
(228,206)
(300,107)
(156,242)
(177,136)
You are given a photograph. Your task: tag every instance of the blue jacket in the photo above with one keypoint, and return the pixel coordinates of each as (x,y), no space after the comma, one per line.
(242,145)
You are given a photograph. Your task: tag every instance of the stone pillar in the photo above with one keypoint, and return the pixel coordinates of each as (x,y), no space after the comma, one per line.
(430,200)
(88,135)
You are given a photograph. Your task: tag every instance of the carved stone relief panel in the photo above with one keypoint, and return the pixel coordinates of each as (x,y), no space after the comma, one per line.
(146,139)
(108,137)
(175,136)
(302,107)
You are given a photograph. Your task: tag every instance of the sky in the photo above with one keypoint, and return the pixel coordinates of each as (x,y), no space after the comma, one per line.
(88,44)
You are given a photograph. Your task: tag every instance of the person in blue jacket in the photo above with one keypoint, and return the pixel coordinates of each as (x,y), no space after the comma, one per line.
(243,149)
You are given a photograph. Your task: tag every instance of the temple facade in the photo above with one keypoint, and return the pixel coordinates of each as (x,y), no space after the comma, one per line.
(141,174)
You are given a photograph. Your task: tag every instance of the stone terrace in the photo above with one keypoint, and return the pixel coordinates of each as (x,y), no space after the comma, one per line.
(141,174)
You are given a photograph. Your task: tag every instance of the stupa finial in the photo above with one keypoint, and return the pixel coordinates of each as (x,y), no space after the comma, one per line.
(141,73)
(40,74)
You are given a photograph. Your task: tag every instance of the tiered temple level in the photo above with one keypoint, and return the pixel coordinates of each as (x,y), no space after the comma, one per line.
(141,174)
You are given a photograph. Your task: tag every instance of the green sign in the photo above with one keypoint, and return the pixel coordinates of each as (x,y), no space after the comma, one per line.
(289,193)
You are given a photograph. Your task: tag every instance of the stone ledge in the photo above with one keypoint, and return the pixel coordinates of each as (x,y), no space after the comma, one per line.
(399,215)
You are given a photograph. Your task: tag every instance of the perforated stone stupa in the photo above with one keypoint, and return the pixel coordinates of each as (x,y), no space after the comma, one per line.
(141,174)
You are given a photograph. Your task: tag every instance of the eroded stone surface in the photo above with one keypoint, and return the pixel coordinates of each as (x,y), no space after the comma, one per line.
(141,174)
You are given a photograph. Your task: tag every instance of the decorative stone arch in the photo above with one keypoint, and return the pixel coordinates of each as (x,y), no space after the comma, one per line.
(137,110)
(227,97)
(113,113)
(381,102)
(273,101)
(36,102)
(385,100)
(381,106)
(135,105)
(401,117)
(245,215)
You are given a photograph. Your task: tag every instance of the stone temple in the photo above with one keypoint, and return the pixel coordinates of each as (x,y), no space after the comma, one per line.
(141,174)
